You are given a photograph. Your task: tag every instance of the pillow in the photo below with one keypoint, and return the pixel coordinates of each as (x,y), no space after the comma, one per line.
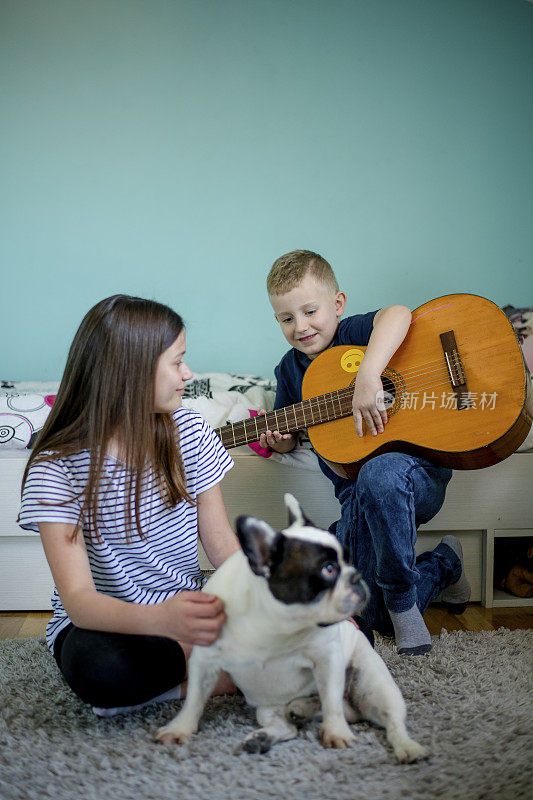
(22,415)
(219,397)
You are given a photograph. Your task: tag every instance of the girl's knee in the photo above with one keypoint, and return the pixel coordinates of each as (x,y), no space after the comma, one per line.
(107,669)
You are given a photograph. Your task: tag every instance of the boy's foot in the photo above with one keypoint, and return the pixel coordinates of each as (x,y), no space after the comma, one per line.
(412,636)
(457,595)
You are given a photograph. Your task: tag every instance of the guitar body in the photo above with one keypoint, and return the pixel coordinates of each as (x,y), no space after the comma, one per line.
(424,418)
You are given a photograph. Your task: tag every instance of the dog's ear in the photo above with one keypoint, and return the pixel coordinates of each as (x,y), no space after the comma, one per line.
(258,541)
(296,514)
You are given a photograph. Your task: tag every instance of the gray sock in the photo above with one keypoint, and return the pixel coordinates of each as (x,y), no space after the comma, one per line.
(457,595)
(412,636)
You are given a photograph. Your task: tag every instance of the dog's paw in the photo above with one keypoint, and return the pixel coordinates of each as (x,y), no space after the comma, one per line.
(170,735)
(408,751)
(257,742)
(337,738)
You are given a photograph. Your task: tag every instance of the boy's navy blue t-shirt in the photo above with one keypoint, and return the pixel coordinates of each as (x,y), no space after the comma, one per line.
(291,369)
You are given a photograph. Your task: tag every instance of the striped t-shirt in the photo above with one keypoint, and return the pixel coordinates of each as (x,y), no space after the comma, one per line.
(147,570)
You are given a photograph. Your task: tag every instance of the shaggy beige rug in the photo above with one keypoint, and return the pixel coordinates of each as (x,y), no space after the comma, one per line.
(469,702)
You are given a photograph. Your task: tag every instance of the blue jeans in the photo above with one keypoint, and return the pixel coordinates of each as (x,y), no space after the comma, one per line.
(379,516)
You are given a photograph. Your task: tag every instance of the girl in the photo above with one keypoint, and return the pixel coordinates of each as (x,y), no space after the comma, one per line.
(120,482)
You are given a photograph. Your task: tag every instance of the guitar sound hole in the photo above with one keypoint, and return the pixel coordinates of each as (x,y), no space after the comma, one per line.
(389,390)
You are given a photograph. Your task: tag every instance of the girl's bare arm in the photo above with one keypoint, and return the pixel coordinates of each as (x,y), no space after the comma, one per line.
(216,534)
(188,617)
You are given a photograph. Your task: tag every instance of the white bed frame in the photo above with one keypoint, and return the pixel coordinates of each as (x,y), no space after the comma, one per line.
(480,505)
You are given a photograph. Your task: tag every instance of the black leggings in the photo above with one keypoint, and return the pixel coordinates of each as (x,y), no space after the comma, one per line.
(109,670)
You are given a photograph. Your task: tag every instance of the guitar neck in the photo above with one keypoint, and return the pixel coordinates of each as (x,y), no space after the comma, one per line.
(325,408)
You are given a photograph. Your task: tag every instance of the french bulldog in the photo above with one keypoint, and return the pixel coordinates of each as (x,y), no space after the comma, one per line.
(287,639)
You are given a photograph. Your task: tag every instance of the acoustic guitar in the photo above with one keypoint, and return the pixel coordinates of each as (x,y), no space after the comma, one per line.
(457,391)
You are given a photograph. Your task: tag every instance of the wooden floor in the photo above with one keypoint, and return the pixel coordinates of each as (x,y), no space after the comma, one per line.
(18,625)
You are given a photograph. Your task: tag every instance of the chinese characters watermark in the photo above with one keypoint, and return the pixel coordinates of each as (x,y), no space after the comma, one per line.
(448,400)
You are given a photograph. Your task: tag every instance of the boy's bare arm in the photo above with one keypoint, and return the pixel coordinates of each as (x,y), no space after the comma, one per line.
(390,329)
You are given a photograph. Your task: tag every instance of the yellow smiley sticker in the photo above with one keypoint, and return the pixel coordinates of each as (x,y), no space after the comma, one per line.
(351,360)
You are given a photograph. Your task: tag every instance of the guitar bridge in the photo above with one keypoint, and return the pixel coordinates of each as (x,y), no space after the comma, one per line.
(455,369)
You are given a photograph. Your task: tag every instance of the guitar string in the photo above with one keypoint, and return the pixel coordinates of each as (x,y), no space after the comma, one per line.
(406,374)
(341,394)
(243,437)
(240,438)
(437,363)
(416,370)
(345,392)
(413,375)
(455,360)
(441,359)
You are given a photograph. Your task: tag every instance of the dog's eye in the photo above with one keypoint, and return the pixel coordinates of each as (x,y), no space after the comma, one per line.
(329,570)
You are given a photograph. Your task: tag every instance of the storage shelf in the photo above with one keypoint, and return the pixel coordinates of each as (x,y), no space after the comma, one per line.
(501,599)
(497,598)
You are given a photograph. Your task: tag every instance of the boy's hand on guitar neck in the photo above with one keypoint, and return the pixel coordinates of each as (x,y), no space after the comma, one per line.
(368,407)
(368,404)
(280,442)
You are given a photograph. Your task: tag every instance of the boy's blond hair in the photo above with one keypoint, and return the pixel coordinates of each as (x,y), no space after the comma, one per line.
(290,269)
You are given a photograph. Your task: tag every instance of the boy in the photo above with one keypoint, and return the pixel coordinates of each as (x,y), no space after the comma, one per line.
(393,492)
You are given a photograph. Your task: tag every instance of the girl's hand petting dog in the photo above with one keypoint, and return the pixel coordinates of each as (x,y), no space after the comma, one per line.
(192,618)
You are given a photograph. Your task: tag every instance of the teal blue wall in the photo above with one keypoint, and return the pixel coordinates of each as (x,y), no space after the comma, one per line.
(174,148)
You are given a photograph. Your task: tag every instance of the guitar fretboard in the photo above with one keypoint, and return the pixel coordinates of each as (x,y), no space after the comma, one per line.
(316,410)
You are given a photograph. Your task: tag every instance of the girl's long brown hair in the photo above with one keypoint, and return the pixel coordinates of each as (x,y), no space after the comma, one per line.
(107,393)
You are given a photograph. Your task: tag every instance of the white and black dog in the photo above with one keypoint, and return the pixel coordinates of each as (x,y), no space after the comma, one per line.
(287,637)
